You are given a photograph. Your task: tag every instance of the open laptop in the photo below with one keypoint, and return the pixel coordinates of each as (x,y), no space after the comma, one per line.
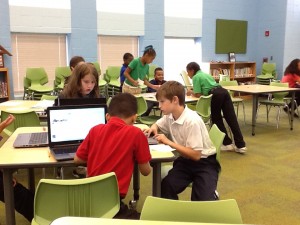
(69,125)
(31,140)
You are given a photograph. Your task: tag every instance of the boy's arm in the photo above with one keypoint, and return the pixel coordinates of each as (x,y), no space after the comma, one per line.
(145,168)
(78,160)
(148,84)
(184,151)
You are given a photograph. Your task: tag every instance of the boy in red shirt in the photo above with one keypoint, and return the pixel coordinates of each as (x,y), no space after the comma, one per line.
(117,145)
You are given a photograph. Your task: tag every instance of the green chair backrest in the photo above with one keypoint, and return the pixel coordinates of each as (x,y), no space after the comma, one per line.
(269,68)
(89,197)
(203,107)
(97,66)
(280,95)
(217,137)
(229,83)
(26,83)
(151,71)
(113,72)
(49,97)
(142,105)
(23,118)
(222,211)
(37,76)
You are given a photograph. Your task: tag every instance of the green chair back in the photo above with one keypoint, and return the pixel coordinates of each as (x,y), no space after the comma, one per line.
(203,107)
(49,97)
(88,197)
(280,95)
(142,105)
(37,76)
(224,83)
(113,72)
(23,118)
(217,137)
(97,66)
(222,211)
(269,69)
(151,72)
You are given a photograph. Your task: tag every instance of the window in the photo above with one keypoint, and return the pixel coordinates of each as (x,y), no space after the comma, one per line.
(37,50)
(112,49)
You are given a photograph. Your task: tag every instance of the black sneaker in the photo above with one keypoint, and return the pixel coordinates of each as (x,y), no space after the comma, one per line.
(296,115)
(286,109)
(79,172)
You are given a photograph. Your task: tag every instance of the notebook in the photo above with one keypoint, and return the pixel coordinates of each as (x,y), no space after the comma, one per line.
(31,140)
(69,125)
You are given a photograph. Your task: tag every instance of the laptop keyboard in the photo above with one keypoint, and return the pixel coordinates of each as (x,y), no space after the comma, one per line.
(65,149)
(36,138)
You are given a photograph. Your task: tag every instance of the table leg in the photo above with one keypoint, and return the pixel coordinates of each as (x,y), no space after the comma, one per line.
(292,109)
(31,180)
(156,179)
(254,112)
(9,196)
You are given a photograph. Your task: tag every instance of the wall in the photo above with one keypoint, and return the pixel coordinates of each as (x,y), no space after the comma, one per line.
(292,32)
(5,38)
(233,10)
(272,17)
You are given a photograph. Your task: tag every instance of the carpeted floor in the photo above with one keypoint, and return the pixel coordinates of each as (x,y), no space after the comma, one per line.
(264,181)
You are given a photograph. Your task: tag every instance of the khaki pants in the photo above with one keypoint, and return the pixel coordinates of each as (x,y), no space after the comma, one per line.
(131,90)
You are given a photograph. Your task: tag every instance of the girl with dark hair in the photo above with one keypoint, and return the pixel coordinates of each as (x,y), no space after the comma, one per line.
(137,71)
(292,76)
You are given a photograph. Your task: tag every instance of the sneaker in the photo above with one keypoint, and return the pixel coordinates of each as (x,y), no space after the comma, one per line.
(230,147)
(79,172)
(286,109)
(241,150)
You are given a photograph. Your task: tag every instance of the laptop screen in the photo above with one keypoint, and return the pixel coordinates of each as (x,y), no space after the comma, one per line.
(71,124)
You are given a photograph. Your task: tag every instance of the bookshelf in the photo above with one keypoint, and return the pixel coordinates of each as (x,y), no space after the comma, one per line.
(4,85)
(243,72)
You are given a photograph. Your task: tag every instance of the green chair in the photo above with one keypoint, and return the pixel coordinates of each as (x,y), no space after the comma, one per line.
(203,109)
(49,97)
(61,73)
(102,83)
(37,78)
(222,211)
(151,71)
(112,76)
(23,118)
(27,95)
(268,73)
(142,108)
(276,100)
(88,197)
(235,100)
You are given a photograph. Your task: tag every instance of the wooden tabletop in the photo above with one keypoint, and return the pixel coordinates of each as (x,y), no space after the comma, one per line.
(20,105)
(257,89)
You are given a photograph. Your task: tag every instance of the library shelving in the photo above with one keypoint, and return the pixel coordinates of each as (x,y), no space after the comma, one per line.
(4,85)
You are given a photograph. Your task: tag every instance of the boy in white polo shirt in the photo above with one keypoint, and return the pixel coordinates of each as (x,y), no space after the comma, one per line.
(188,135)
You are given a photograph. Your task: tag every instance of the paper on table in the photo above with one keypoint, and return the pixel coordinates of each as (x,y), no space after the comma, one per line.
(44,104)
(161,148)
(11,103)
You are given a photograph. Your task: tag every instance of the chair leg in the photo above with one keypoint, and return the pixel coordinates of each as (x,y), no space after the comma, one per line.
(244,112)
(278,115)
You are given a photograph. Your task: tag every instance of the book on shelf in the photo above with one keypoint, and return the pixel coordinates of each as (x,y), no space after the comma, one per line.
(3,89)
(243,72)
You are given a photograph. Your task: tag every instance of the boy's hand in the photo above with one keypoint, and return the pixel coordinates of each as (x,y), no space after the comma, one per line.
(135,83)
(189,92)
(150,131)
(162,139)
(6,122)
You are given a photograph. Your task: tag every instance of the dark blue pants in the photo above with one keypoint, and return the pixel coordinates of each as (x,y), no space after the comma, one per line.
(202,173)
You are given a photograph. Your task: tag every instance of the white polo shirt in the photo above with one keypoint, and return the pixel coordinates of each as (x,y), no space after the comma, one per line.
(188,130)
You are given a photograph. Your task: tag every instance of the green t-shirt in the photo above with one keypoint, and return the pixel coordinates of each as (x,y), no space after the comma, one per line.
(203,82)
(138,70)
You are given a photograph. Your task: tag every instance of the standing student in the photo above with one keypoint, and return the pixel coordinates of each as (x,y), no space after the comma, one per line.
(188,135)
(158,80)
(83,83)
(116,146)
(137,71)
(22,196)
(127,58)
(204,84)
(292,76)
(74,61)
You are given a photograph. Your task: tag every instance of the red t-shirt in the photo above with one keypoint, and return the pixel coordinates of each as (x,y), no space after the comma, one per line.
(292,79)
(114,147)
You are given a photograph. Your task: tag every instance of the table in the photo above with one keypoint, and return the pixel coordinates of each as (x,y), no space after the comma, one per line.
(12,159)
(255,90)
(103,221)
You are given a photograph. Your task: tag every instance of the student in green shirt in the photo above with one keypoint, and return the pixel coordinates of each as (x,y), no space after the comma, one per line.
(221,106)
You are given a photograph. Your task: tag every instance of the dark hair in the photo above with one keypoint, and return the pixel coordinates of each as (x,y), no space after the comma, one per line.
(72,90)
(157,69)
(193,66)
(170,89)
(127,55)
(75,60)
(123,105)
(149,50)
(292,68)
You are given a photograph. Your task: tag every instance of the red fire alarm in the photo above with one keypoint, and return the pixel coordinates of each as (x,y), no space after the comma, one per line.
(267,33)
